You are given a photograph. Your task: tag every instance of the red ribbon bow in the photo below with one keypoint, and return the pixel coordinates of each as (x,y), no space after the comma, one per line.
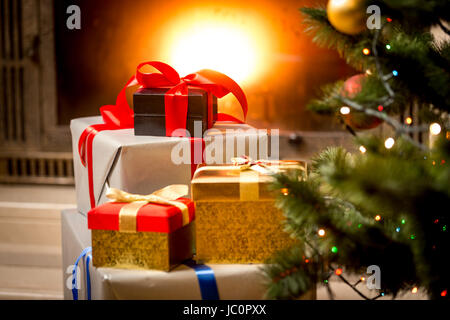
(121,116)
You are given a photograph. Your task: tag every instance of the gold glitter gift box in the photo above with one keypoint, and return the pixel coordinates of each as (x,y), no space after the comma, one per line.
(236,217)
(143,232)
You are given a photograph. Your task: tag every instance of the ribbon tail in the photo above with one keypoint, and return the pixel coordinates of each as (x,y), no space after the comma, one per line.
(197,150)
(120,115)
(85,143)
(90,167)
(88,277)
(176,109)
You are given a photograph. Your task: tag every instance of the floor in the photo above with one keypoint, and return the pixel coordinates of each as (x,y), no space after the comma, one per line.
(30,240)
(30,245)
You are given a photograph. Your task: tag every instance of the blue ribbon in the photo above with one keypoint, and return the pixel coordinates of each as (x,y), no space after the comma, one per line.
(206,280)
(85,253)
(205,276)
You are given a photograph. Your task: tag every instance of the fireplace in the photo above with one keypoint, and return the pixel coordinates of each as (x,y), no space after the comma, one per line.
(57,73)
(261,44)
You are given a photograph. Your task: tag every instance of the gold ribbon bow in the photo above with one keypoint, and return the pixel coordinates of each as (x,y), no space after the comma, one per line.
(128,213)
(249,177)
(265,166)
(246,163)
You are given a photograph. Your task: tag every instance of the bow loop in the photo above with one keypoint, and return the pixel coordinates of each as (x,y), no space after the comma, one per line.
(168,76)
(173,192)
(218,84)
(163,196)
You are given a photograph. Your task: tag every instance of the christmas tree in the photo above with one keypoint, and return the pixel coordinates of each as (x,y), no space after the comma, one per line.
(387,205)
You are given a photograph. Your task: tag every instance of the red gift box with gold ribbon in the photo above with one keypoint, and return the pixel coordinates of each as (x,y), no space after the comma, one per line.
(153,231)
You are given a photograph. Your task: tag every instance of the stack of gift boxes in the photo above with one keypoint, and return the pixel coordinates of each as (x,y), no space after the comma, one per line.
(167,184)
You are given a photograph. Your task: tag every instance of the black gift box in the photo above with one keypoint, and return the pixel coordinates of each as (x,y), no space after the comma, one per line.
(149,111)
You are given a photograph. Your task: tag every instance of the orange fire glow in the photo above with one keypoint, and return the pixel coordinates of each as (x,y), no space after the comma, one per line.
(200,39)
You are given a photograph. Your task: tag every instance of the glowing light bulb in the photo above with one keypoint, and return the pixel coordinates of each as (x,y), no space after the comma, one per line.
(363,279)
(366,51)
(414,290)
(403,221)
(344,110)
(395,73)
(408,120)
(285,191)
(435,128)
(388,46)
(380,108)
(389,143)
(377,217)
(444,293)
(397,229)
(338,271)
(334,249)
(362,149)
(321,232)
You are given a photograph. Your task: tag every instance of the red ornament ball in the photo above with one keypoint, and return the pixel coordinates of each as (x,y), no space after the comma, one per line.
(357,120)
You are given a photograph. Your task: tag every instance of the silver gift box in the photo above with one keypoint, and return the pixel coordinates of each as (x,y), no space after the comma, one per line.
(233,281)
(142,164)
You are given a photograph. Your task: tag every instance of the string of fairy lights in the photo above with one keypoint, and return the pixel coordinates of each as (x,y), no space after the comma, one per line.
(321,232)
(403,129)
(339,271)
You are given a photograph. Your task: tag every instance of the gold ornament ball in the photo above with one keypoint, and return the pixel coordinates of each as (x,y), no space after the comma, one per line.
(347,16)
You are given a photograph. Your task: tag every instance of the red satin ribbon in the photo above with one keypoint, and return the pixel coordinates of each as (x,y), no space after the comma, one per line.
(121,116)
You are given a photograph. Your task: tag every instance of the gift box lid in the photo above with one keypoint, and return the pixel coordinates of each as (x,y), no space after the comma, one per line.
(231,182)
(150,101)
(151,217)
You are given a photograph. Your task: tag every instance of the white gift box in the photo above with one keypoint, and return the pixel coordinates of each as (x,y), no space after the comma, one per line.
(143,164)
(238,281)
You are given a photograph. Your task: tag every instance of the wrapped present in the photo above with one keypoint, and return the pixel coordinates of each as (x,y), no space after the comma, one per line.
(149,111)
(164,100)
(105,151)
(236,217)
(154,231)
(185,282)
(141,164)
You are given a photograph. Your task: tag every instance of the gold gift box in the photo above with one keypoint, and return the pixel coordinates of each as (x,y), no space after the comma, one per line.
(236,217)
(142,250)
